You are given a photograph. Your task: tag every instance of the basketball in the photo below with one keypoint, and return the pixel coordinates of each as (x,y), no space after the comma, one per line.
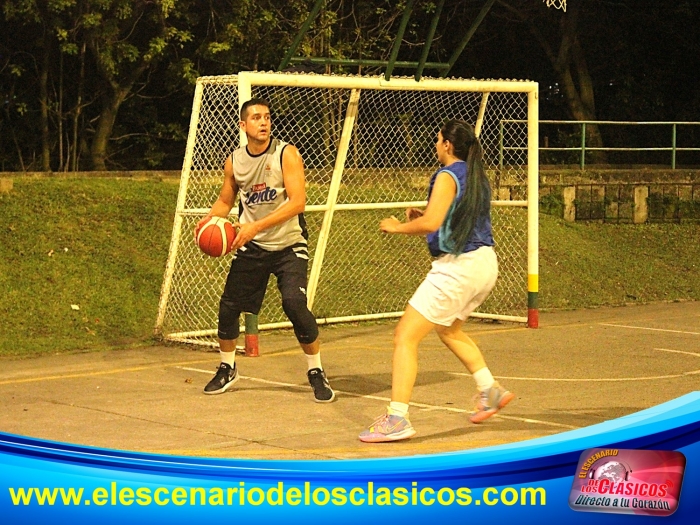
(216,236)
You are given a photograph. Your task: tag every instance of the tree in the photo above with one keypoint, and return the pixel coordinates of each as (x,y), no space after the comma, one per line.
(561,42)
(108,83)
(126,38)
(38,15)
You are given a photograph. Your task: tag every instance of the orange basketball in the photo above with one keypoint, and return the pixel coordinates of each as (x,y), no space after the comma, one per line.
(216,236)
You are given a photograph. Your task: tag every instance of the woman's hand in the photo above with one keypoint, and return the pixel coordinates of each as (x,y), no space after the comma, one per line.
(389,225)
(413,213)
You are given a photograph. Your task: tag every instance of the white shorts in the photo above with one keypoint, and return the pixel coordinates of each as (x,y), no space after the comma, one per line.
(456,286)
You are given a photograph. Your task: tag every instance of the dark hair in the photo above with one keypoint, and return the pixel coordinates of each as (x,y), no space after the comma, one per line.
(253,102)
(476,197)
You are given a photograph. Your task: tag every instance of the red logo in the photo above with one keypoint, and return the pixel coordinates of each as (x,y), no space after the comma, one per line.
(618,481)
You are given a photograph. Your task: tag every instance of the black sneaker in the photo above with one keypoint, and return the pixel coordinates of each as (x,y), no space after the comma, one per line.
(323,393)
(223,380)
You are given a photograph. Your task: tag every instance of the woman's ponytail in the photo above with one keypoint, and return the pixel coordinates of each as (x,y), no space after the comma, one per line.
(476,198)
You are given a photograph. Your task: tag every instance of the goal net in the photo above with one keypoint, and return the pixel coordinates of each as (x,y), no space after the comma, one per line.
(369,150)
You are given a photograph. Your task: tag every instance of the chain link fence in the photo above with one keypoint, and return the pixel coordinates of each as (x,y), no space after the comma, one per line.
(389,159)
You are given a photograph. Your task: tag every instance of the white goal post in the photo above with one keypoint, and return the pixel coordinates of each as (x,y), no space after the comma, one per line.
(368,146)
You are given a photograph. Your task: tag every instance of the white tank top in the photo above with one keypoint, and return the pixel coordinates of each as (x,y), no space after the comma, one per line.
(261,191)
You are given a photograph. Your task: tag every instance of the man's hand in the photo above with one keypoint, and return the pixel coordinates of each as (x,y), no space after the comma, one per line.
(245,234)
(199,226)
(389,225)
(413,213)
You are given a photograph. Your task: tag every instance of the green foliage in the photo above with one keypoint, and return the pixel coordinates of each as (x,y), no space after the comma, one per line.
(553,203)
(662,205)
(101,53)
(689,210)
(568,137)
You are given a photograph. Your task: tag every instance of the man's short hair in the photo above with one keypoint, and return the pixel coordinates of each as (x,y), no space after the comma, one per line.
(253,102)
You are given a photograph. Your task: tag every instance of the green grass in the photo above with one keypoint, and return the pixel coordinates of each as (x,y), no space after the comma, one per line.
(99,244)
(109,238)
(594,264)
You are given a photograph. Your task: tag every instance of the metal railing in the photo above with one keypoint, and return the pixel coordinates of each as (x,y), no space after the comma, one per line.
(583,148)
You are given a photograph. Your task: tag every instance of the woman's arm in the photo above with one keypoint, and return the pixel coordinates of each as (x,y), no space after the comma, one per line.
(444,191)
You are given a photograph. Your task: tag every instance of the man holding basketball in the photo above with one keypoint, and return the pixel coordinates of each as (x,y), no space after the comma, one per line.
(271,239)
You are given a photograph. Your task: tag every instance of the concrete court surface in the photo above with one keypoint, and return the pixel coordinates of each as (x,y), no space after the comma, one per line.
(579,368)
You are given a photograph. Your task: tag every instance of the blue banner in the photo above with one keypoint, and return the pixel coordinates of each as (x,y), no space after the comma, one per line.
(528,481)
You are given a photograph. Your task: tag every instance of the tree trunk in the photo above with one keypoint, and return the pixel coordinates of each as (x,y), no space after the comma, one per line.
(44,102)
(579,98)
(574,77)
(61,165)
(105,124)
(78,110)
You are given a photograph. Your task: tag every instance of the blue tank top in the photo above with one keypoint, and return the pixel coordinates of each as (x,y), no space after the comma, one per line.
(439,241)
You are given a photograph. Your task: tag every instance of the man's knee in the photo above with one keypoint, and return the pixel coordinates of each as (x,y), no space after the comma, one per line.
(304,322)
(229,321)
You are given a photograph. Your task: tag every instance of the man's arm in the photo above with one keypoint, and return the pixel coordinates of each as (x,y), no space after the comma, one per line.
(293,173)
(227,197)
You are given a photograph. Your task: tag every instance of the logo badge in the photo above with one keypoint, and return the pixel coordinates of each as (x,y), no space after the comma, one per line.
(260,194)
(620,481)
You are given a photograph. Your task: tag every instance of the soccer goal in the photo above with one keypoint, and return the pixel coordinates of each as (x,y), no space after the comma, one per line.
(368,146)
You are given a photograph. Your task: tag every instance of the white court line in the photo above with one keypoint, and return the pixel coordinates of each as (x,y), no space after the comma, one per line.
(602,379)
(677,351)
(652,329)
(591,379)
(387,400)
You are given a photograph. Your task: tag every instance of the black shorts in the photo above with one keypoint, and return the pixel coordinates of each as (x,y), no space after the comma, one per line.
(250,271)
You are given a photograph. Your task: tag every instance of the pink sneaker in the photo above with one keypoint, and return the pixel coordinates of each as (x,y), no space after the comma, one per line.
(489,402)
(388,428)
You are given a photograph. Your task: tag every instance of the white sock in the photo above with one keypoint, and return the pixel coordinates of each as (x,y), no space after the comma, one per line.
(483,378)
(228,357)
(397,409)
(314,361)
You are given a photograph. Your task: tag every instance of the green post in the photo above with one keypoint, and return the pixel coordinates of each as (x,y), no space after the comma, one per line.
(297,40)
(251,335)
(583,145)
(673,147)
(397,40)
(366,62)
(429,41)
(468,36)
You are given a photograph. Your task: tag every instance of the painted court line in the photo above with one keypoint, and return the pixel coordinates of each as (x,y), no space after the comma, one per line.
(403,446)
(592,379)
(95,373)
(387,400)
(647,328)
(602,379)
(677,351)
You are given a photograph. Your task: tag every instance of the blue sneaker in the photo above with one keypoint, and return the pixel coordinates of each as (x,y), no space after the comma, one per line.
(388,428)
